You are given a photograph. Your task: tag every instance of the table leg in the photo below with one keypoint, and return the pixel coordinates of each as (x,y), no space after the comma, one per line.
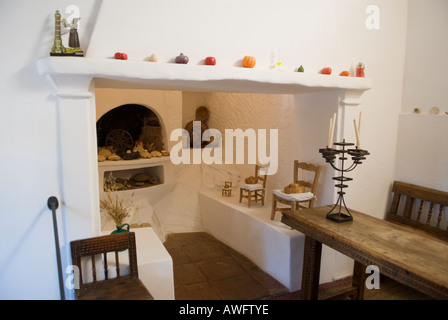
(359,280)
(311,269)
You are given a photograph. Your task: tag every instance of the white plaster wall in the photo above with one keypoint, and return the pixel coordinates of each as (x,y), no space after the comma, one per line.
(422,153)
(312,33)
(426,69)
(30,166)
(254,112)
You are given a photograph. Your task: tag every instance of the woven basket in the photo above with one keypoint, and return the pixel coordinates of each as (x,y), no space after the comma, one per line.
(294,188)
(251,180)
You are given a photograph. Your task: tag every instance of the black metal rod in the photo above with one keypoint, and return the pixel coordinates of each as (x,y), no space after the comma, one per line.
(53,204)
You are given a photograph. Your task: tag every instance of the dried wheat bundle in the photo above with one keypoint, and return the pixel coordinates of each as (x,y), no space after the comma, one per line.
(116,209)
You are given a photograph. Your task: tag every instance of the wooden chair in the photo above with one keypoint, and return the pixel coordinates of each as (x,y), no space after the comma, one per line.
(121,287)
(294,202)
(420,207)
(255,192)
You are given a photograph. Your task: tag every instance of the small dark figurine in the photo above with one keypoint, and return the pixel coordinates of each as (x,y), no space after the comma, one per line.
(73,39)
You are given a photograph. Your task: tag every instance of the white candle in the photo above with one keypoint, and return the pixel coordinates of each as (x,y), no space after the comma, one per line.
(332,128)
(358,141)
(329,138)
(331,131)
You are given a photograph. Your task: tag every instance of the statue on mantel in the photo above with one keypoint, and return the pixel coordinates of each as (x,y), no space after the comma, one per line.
(74,47)
(73,40)
(58,49)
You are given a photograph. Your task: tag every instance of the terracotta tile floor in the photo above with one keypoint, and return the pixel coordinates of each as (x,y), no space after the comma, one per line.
(207,269)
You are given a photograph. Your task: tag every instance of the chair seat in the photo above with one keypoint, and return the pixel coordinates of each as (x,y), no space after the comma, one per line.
(305,196)
(251,187)
(123,288)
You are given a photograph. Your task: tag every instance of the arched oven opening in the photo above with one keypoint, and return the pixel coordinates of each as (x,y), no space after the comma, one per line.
(129,132)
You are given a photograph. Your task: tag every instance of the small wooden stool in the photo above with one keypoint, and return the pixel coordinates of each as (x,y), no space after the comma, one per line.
(227,190)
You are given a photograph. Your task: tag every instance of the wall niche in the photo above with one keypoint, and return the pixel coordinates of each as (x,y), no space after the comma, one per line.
(121,127)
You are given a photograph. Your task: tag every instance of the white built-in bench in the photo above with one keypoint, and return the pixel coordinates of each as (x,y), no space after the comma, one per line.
(273,246)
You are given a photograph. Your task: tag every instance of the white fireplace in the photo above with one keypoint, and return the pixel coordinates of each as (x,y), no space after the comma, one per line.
(88,88)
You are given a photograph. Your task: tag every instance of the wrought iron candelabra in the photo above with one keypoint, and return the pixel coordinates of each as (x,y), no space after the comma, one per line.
(330,154)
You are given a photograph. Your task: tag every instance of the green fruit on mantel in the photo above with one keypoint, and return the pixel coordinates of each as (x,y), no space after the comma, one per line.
(300,69)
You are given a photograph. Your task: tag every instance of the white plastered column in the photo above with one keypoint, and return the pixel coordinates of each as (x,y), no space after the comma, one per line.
(78,170)
(348,110)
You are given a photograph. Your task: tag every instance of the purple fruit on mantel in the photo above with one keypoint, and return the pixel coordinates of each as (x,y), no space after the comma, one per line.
(182,59)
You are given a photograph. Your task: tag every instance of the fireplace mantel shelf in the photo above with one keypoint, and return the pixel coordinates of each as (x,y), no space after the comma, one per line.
(111,73)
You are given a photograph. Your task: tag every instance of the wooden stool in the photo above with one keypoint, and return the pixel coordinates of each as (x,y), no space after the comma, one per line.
(227,190)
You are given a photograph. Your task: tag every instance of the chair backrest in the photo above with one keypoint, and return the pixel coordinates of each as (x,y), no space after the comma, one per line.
(311,179)
(92,247)
(420,207)
(261,174)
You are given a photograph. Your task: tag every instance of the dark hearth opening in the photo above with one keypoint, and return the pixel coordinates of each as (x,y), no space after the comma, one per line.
(123,127)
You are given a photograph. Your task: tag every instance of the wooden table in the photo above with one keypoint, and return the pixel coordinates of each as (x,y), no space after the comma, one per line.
(405,254)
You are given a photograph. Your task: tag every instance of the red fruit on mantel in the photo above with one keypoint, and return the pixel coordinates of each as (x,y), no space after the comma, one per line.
(121,56)
(210,61)
(326,70)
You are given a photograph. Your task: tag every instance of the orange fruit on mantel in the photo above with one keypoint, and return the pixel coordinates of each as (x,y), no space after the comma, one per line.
(249,62)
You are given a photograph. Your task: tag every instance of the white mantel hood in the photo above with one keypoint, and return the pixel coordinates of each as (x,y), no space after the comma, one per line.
(171,76)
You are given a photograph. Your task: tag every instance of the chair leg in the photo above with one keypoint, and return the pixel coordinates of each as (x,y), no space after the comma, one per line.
(249,197)
(241,194)
(273,207)
(262,198)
